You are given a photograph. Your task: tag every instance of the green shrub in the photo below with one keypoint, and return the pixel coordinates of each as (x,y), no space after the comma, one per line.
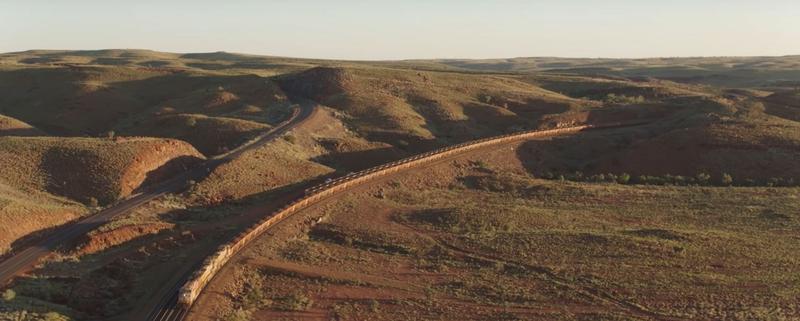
(726,179)
(296,302)
(703,179)
(92,202)
(9,295)
(239,314)
(54,316)
(623,178)
(623,99)
(774,181)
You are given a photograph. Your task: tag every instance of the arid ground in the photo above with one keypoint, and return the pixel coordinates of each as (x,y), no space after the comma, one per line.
(690,215)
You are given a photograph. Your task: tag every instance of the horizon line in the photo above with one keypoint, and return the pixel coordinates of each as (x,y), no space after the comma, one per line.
(402,59)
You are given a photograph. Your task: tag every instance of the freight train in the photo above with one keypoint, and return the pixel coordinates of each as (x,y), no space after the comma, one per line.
(192,288)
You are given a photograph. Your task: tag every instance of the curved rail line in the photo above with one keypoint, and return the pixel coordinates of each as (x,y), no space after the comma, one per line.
(28,257)
(212,264)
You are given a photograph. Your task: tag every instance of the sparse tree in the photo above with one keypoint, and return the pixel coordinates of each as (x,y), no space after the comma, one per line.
(703,178)
(111,135)
(92,202)
(296,302)
(774,181)
(726,179)
(623,178)
(191,122)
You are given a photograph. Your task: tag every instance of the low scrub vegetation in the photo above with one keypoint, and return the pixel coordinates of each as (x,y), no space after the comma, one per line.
(490,239)
(701,179)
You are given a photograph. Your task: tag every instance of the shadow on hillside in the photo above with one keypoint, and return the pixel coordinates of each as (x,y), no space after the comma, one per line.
(534,110)
(65,105)
(168,170)
(783,111)
(21,132)
(577,152)
(358,160)
(74,174)
(405,142)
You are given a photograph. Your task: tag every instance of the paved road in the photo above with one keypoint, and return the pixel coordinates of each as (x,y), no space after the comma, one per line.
(27,258)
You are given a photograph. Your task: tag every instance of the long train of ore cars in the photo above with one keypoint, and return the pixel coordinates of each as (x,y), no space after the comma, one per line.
(192,288)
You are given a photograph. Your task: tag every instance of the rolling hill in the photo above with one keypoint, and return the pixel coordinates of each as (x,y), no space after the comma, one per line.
(701,227)
(90,168)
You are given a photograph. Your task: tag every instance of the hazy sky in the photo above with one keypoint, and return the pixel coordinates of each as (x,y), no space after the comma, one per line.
(379,29)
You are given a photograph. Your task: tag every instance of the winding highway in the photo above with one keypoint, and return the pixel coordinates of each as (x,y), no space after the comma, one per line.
(25,259)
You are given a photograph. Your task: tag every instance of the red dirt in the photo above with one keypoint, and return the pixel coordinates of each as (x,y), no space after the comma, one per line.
(96,242)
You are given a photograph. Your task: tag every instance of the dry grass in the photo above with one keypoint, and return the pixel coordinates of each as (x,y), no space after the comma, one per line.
(507,244)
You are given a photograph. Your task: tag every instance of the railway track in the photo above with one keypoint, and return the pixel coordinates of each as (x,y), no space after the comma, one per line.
(168,308)
(189,291)
(28,257)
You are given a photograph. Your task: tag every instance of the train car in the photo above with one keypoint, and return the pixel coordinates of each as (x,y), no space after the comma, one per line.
(187,295)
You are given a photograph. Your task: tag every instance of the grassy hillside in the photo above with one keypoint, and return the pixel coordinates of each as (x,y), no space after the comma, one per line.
(129,100)
(86,168)
(409,107)
(210,135)
(320,147)
(117,92)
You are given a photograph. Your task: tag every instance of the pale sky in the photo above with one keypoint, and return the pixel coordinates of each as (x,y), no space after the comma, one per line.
(377,29)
